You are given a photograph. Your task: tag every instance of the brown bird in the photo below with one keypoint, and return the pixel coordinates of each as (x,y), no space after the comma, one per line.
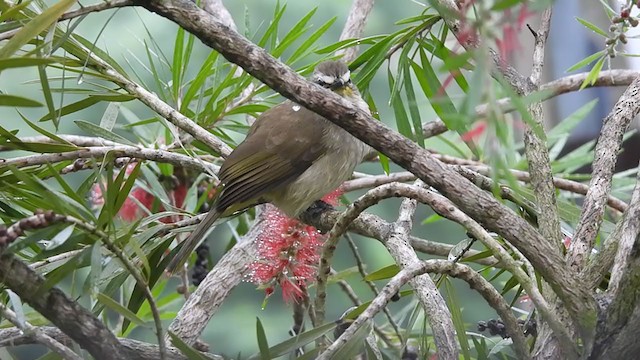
(291,157)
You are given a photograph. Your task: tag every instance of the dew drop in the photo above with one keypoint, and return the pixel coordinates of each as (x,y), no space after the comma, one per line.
(295,107)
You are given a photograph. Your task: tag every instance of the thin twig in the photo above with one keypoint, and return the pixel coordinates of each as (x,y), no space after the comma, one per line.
(133,270)
(39,336)
(461,271)
(372,286)
(120,151)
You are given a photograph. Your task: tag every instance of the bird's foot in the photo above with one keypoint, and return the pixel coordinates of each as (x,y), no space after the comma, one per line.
(318,207)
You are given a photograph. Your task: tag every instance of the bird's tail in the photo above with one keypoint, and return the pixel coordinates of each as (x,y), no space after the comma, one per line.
(187,246)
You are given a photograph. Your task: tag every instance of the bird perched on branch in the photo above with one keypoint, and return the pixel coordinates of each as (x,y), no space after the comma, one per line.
(291,157)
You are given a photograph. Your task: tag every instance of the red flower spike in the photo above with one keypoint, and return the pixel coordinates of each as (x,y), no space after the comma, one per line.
(131,209)
(475,133)
(288,252)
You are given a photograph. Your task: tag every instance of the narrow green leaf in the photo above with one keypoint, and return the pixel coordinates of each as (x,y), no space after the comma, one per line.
(18,62)
(437,96)
(570,122)
(110,116)
(456,316)
(501,5)
(312,39)
(46,90)
(263,345)
(586,61)
(187,350)
(176,71)
(593,74)
(60,238)
(402,120)
(414,110)
(293,34)
(297,341)
(592,27)
(11,12)
(85,103)
(94,129)
(199,80)
(16,304)
(386,272)
(33,28)
(19,101)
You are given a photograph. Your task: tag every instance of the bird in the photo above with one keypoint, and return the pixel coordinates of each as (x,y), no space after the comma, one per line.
(291,157)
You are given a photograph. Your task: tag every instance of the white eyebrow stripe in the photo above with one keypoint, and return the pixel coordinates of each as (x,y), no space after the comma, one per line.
(346,76)
(327,79)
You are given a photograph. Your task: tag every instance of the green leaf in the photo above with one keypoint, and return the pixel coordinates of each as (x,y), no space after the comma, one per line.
(19,62)
(593,74)
(110,116)
(60,238)
(586,61)
(456,316)
(13,100)
(34,27)
(188,351)
(263,344)
(437,96)
(293,34)
(94,129)
(297,341)
(117,307)
(177,67)
(402,120)
(11,12)
(46,90)
(85,103)
(312,39)
(593,27)
(386,272)
(570,122)
(16,304)
(414,110)
(501,5)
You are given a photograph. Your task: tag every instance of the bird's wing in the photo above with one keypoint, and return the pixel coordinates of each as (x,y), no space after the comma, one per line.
(281,145)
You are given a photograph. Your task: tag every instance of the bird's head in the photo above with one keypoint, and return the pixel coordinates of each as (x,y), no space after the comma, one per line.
(335,75)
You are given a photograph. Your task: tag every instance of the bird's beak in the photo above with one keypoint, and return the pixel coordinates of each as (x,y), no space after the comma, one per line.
(341,88)
(338,84)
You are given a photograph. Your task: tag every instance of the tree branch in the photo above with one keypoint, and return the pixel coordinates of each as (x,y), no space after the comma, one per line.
(463,272)
(536,149)
(74,320)
(39,336)
(614,127)
(354,27)
(133,349)
(119,151)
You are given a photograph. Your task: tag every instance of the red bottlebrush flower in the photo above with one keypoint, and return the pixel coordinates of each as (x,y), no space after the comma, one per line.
(333,197)
(132,210)
(474,133)
(288,253)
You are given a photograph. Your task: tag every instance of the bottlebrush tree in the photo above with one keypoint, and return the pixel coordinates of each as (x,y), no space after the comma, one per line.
(93,210)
